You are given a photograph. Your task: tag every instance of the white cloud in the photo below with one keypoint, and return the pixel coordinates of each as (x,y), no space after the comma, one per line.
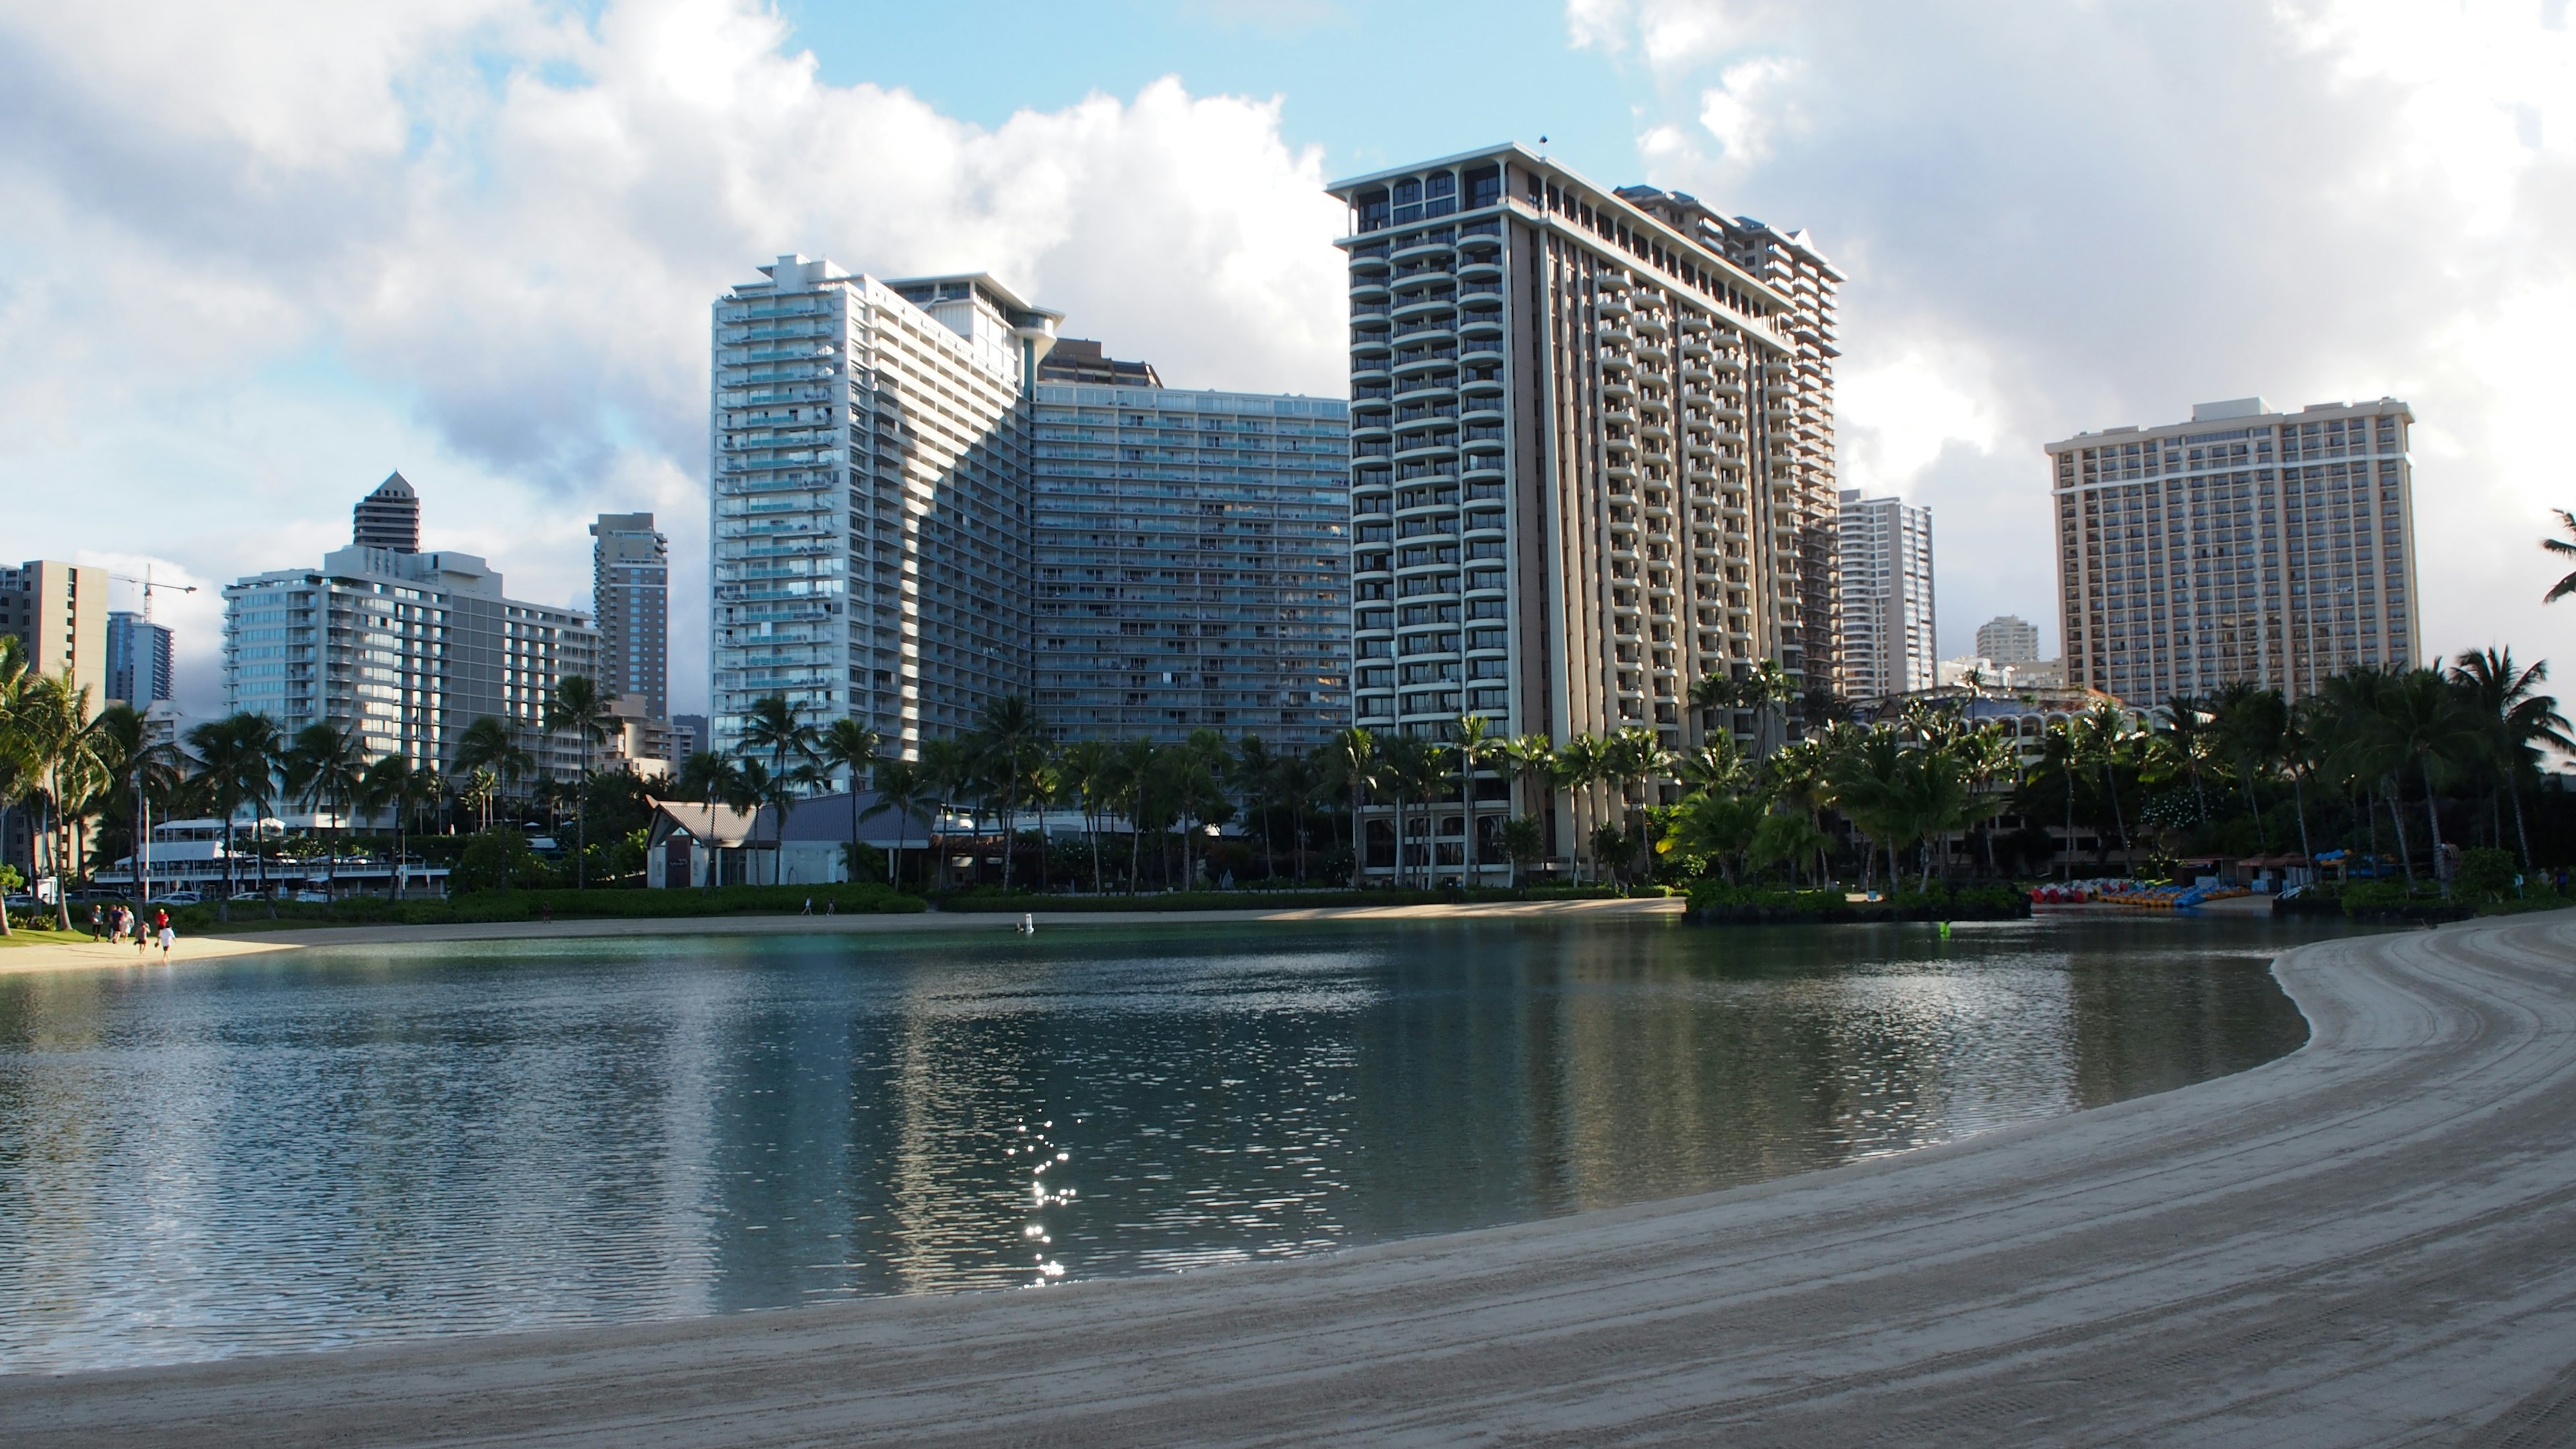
(258,258)
(2058,218)
(1741,109)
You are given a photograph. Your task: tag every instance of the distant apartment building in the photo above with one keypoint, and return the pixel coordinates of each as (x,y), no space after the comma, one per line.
(688,736)
(1191,554)
(1888,630)
(406,649)
(58,611)
(2247,544)
(2008,639)
(388,518)
(1592,450)
(870,504)
(1080,359)
(139,659)
(630,602)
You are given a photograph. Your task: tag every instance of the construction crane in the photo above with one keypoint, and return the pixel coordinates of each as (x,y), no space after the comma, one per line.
(149,586)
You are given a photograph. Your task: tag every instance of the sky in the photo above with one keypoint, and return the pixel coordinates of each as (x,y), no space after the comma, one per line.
(254,257)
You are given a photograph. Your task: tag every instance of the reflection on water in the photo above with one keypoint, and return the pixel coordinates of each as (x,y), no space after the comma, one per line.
(337,1146)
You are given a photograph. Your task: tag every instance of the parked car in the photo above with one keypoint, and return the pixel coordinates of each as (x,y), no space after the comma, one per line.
(312,898)
(177,898)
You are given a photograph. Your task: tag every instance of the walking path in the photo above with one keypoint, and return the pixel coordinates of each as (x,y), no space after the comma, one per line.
(82,954)
(2371,1241)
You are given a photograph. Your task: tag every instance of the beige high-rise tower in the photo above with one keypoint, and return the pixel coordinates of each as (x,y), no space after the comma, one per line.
(1592,462)
(2246,544)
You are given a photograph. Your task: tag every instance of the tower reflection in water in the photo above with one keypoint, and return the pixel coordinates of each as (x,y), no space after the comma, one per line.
(342,1146)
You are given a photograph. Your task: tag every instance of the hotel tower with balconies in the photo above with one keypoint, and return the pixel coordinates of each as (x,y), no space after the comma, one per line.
(1592,461)
(870,498)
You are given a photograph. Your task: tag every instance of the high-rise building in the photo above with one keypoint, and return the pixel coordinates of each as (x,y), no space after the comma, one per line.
(388,518)
(59,612)
(1888,644)
(1592,456)
(138,659)
(2008,639)
(1192,558)
(1079,359)
(405,649)
(2246,544)
(870,497)
(630,603)
(688,736)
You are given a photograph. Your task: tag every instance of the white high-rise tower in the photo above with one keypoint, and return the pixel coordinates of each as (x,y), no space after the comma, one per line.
(870,498)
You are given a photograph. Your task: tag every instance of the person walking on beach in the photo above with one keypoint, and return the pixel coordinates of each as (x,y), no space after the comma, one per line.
(167,935)
(97,923)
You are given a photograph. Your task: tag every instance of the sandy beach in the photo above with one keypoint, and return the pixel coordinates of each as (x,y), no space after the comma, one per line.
(2370,1241)
(80,956)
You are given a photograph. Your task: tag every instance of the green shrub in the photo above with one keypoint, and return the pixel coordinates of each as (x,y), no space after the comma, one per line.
(2486,874)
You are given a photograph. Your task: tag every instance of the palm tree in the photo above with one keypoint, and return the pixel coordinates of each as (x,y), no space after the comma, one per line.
(2061,753)
(392,784)
(850,747)
(15,783)
(51,744)
(2103,735)
(2184,726)
(708,775)
(135,774)
(949,768)
(1087,767)
(1523,842)
(478,787)
(1473,747)
(492,744)
(1632,759)
(774,728)
(1352,766)
(1249,774)
(904,789)
(2505,706)
(2251,720)
(2423,719)
(1579,764)
(2564,547)
(578,706)
(324,766)
(236,756)
(1013,740)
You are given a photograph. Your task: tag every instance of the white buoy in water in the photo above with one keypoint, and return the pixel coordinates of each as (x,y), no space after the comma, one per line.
(1028,924)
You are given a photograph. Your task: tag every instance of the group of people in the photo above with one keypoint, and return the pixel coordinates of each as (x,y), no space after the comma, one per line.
(118,924)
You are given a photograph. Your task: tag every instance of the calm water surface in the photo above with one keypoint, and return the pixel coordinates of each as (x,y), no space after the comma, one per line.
(331,1147)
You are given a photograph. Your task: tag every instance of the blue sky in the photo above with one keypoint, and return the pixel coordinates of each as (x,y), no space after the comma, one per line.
(1375,86)
(254,256)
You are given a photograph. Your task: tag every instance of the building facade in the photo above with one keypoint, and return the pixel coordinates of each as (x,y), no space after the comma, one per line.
(869,498)
(1889,642)
(1637,518)
(2008,639)
(139,659)
(406,650)
(1192,555)
(1577,475)
(58,611)
(2246,544)
(630,602)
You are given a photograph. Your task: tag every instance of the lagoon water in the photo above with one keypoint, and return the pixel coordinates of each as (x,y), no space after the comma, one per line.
(330,1147)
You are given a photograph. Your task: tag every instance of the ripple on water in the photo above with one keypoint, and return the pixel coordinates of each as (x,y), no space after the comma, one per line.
(355,1145)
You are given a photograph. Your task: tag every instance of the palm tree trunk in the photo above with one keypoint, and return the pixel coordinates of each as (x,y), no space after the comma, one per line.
(2299,802)
(2066,862)
(2433,817)
(2519,834)
(2405,856)
(2111,787)
(1359,843)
